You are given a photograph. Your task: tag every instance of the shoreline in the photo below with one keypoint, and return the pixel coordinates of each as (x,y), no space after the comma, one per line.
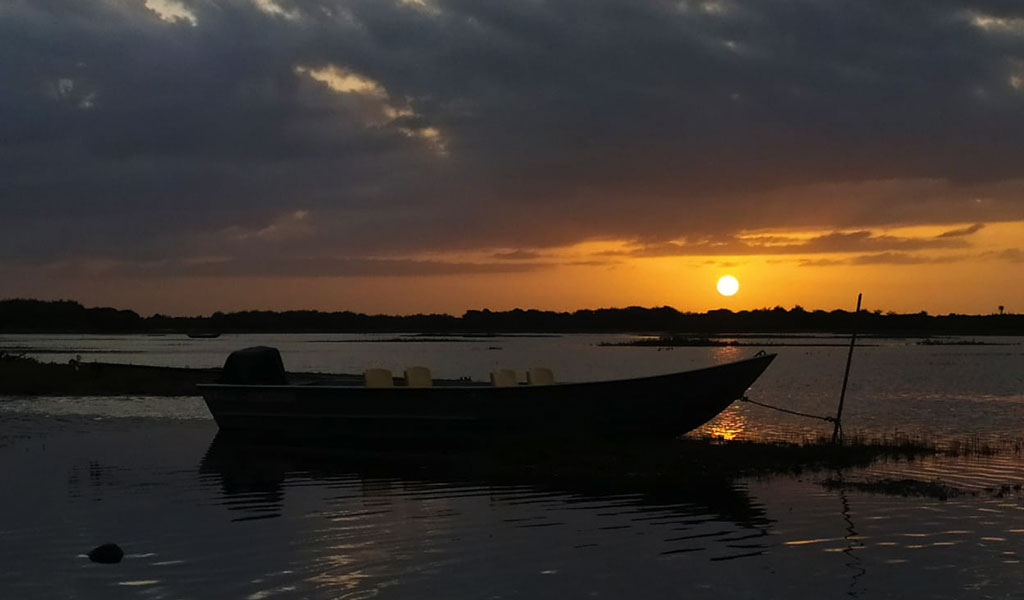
(20,375)
(38,316)
(24,376)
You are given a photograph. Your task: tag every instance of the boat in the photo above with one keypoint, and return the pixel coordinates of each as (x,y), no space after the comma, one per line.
(254,395)
(203,335)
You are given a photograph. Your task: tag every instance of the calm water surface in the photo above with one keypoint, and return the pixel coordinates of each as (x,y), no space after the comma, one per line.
(896,385)
(207,517)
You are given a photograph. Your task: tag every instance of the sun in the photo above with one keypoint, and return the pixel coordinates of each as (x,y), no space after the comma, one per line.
(727,285)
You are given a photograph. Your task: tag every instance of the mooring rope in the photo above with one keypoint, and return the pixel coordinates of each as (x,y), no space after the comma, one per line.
(786,410)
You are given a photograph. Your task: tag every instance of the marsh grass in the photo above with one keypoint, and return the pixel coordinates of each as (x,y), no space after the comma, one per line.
(912,447)
(903,445)
(961,447)
(697,457)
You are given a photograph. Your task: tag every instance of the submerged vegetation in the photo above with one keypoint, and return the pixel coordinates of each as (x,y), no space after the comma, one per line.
(897,487)
(690,461)
(916,488)
(654,463)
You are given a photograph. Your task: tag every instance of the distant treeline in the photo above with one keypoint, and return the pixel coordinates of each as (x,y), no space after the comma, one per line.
(65,316)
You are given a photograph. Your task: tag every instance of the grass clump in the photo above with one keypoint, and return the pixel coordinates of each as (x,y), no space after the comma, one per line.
(703,456)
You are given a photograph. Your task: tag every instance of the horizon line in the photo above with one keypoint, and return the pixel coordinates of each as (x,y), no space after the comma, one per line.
(876,311)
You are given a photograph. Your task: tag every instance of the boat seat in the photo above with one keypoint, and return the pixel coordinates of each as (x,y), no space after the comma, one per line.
(540,376)
(503,378)
(418,377)
(378,378)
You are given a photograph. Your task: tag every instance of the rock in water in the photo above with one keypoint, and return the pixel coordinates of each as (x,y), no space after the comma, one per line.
(106,554)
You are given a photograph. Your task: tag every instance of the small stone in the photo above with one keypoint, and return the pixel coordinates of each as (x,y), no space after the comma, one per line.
(106,554)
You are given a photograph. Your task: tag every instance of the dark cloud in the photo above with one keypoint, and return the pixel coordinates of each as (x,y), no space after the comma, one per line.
(518,255)
(1015,255)
(884,258)
(473,124)
(820,262)
(902,258)
(282,267)
(853,241)
(962,231)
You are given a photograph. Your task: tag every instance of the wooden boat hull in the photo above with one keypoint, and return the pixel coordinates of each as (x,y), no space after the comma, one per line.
(659,406)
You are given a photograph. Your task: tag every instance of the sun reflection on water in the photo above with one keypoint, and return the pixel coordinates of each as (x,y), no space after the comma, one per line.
(728,426)
(724,354)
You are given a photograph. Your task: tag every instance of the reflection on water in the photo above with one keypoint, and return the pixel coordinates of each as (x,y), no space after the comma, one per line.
(401,518)
(729,426)
(853,544)
(724,354)
(260,466)
(206,517)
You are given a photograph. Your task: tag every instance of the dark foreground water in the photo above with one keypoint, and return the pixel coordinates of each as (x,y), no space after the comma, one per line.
(204,517)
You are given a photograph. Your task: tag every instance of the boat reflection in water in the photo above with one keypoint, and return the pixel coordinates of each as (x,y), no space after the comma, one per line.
(259,476)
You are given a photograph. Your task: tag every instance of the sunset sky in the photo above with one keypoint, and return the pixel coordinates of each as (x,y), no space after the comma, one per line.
(402,156)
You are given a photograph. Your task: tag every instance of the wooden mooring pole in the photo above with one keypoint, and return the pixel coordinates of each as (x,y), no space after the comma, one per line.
(838,429)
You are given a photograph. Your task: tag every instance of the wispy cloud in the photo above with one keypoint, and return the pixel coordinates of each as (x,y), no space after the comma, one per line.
(517,255)
(963,231)
(885,258)
(1015,255)
(902,258)
(827,243)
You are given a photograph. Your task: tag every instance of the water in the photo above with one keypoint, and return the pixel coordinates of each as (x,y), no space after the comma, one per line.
(942,391)
(204,517)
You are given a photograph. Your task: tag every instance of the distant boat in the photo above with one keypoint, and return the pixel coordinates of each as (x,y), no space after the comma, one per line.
(255,396)
(203,334)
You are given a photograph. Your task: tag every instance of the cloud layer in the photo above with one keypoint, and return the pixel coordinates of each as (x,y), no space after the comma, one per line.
(343,135)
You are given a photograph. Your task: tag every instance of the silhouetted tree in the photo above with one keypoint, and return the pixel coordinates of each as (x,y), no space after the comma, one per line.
(28,316)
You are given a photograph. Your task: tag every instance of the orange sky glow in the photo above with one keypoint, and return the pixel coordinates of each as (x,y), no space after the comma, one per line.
(973,277)
(415,156)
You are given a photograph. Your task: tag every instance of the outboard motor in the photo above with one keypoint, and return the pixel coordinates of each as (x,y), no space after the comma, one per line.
(259,365)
